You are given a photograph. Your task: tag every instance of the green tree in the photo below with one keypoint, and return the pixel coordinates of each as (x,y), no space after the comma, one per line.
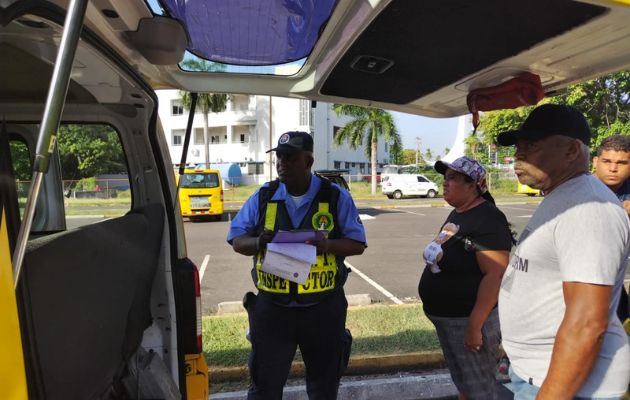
(409,157)
(90,150)
(206,102)
(201,65)
(396,153)
(605,102)
(428,154)
(367,125)
(21,160)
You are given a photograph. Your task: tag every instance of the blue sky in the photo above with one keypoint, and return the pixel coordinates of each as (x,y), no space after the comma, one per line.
(434,133)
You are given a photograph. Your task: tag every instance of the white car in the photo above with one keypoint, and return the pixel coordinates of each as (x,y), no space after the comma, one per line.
(398,186)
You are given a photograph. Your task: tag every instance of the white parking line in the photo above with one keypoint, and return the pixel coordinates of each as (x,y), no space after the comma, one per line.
(415,213)
(524,216)
(376,285)
(516,208)
(204,264)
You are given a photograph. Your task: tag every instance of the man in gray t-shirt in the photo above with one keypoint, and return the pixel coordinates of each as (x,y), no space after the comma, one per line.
(559,294)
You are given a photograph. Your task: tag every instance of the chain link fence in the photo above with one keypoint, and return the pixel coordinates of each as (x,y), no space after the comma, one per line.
(90,188)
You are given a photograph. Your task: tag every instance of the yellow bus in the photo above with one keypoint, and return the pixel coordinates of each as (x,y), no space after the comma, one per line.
(201,194)
(521,188)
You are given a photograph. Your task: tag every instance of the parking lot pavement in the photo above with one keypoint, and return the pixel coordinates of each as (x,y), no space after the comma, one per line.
(396,237)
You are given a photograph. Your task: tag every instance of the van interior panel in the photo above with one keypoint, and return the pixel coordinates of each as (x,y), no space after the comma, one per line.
(87,293)
(427,52)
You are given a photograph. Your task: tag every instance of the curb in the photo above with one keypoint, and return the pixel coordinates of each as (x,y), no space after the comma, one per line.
(230,307)
(435,386)
(357,366)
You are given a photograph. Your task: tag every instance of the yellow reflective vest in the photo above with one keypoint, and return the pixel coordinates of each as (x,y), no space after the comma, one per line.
(327,275)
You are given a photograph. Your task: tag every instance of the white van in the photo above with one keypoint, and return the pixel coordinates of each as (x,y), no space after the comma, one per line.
(397,186)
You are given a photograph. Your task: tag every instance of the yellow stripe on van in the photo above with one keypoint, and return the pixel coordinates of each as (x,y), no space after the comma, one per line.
(620,2)
(12,375)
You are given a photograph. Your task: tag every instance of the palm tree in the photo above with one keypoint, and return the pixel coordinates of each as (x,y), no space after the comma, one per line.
(367,126)
(207,103)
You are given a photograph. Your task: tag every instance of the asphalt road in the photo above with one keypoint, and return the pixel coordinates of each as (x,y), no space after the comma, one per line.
(389,269)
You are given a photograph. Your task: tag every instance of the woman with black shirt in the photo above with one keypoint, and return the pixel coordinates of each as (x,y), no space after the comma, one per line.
(459,287)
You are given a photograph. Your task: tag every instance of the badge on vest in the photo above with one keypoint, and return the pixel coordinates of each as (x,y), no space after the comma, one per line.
(323,221)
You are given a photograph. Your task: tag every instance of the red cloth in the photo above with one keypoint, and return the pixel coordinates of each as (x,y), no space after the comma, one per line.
(523,90)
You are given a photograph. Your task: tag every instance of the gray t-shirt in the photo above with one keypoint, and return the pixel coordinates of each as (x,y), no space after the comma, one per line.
(579,233)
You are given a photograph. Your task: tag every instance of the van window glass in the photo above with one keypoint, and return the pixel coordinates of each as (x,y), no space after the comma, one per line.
(421,179)
(94,173)
(200,180)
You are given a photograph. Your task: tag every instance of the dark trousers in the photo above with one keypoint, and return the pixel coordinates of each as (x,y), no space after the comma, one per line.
(275,333)
(622,309)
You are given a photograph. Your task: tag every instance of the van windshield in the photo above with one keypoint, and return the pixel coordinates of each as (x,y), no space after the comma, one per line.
(200,180)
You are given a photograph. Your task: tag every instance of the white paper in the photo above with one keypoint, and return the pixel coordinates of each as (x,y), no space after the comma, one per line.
(290,261)
(301,251)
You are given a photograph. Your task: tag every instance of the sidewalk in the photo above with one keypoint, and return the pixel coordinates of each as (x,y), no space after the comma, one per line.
(421,375)
(434,385)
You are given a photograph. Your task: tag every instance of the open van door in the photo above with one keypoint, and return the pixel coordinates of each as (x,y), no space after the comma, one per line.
(12,373)
(91,307)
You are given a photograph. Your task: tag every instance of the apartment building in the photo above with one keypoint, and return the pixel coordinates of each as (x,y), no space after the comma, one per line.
(241,134)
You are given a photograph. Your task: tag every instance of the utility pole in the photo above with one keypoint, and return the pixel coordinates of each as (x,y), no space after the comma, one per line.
(418,142)
(270,141)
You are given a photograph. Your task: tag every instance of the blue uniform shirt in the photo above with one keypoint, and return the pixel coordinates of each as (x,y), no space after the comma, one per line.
(623,193)
(347,216)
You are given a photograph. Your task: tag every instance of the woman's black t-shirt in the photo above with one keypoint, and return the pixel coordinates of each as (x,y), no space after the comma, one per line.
(453,291)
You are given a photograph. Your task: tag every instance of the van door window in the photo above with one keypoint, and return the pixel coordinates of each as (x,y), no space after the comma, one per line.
(94,173)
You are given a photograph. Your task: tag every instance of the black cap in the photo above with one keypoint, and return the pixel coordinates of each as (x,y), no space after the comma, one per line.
(548,120)
(294,141)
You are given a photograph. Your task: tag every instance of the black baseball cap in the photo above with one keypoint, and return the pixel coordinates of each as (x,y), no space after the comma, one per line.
(548,120)
(294,141)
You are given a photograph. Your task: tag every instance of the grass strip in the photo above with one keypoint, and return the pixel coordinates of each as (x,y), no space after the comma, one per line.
(377,330)
(363,191)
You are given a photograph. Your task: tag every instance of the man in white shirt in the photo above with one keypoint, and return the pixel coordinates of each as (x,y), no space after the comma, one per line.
(560,292)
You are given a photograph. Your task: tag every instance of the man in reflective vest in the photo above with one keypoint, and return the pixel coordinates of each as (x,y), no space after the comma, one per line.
(287,314)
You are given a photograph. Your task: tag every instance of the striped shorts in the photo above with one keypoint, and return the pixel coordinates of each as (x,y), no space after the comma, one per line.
(472,373)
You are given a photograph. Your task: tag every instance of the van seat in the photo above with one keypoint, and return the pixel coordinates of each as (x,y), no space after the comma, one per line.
(86,296)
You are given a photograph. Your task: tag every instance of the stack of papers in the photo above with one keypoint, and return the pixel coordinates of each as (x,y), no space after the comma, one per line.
(298,236)
(290,261)
(289,257)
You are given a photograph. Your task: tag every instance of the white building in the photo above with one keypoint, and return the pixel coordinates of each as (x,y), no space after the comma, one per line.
(241,134)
